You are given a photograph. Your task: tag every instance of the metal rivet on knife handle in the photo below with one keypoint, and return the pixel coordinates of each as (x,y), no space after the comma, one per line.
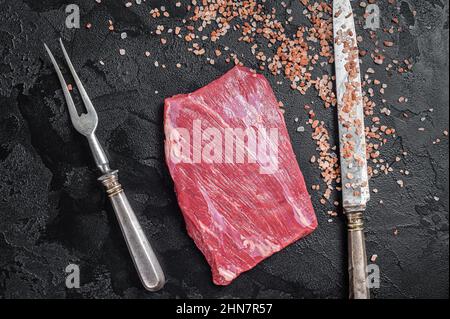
(355,222)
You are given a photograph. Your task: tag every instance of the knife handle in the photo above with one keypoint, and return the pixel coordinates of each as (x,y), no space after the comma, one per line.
(357,257)
(145,260)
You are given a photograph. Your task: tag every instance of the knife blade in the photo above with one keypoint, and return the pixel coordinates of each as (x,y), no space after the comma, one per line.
(352,142)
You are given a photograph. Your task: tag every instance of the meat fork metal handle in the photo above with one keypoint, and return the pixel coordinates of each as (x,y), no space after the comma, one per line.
(145,260)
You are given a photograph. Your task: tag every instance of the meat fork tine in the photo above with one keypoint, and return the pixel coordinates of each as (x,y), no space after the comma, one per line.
(70,104)
(86,100)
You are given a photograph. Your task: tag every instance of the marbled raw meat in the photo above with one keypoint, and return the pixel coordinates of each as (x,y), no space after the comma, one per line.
(236,215)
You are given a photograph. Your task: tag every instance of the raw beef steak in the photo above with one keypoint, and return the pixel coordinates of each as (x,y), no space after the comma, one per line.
(236,177)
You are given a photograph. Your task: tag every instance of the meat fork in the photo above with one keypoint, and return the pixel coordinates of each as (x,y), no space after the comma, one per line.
(145,261)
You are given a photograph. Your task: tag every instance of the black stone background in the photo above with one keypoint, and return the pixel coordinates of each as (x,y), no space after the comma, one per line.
(53,211)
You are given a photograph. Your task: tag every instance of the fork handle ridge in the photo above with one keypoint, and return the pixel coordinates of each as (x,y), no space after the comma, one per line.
(144,258)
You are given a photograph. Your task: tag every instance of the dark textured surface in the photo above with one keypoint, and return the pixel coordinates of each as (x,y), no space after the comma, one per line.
(53,211)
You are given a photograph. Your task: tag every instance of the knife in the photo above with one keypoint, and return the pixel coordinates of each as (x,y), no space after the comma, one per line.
(352,144)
